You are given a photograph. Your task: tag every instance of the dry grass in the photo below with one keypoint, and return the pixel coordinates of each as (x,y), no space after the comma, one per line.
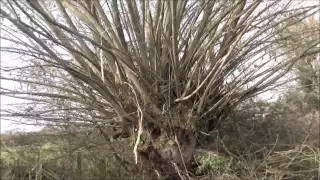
(282,145)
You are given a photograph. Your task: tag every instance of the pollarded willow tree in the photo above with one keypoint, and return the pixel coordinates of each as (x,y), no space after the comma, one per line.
(167,68)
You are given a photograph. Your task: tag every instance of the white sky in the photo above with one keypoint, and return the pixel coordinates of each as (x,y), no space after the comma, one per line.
(10,60)
(7,61)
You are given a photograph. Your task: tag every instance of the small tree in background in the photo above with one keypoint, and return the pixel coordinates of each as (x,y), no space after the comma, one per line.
(167,69)
(306,69)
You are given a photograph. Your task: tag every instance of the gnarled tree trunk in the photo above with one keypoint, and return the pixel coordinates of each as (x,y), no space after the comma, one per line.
(169,153)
